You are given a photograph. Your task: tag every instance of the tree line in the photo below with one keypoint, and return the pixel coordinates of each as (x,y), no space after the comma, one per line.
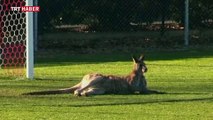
(116,15)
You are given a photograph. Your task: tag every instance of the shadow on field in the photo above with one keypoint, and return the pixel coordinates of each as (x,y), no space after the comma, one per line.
(49,57)
(147,102)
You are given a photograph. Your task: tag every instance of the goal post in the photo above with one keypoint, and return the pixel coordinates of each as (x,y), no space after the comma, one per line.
(29,42)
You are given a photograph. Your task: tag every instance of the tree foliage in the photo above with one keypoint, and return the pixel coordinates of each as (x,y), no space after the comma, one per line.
(116,15)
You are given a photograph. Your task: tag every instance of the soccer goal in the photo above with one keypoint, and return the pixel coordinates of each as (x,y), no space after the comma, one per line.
(16,39)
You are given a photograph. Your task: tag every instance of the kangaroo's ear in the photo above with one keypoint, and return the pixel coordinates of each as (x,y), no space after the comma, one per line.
(135,60)
(142,57)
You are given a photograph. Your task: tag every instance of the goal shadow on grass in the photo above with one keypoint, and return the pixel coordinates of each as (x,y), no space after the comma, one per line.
(146,102)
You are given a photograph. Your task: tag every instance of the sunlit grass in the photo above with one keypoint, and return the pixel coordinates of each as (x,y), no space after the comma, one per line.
(186,77)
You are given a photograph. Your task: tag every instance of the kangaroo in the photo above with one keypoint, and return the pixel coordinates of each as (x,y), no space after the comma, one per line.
(97,84)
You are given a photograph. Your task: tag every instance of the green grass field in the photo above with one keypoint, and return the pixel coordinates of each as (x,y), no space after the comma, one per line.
(186,76)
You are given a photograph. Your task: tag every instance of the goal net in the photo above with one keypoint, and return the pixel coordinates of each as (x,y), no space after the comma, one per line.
(13,39)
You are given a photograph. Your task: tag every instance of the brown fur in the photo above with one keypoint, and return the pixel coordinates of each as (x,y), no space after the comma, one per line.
(95,84)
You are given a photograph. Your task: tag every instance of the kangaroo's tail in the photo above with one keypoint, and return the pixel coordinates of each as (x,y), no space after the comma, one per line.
(49,92)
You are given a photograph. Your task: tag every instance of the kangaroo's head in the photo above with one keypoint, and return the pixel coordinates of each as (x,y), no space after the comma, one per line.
(139,65)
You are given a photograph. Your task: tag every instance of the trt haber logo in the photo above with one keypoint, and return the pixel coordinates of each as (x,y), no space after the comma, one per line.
(26,9)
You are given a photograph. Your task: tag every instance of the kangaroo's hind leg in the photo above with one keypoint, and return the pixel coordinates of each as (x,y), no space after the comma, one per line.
(93,91)
(89,81)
